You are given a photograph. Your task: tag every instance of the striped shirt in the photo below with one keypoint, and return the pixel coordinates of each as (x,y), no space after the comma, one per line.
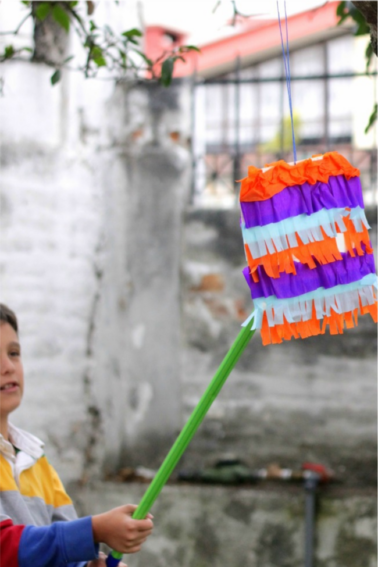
(38,522)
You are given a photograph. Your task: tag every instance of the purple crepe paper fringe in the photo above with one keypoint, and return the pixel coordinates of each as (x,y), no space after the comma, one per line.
(304,199)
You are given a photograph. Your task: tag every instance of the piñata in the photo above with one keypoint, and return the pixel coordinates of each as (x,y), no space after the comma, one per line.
(310,260)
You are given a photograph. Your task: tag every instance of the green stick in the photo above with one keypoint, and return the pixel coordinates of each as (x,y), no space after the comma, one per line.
(189,429)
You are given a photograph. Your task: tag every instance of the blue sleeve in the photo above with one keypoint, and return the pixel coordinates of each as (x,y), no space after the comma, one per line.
(57,544)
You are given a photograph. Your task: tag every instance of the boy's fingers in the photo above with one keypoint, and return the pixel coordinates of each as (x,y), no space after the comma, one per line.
(140,539)
(134,549)
(130,509)
(137,540)
(140,526)
(144,525)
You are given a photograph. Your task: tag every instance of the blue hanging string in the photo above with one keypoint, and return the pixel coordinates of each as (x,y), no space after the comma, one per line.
(286,60)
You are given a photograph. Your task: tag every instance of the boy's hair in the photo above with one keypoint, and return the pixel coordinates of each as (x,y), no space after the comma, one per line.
(8,316)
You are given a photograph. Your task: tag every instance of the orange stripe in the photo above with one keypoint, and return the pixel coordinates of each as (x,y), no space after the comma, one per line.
(325,252)
(354,239)
(259,185)
(313,327)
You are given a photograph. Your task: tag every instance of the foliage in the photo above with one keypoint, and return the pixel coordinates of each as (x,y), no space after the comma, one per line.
(120,54)
(372,118)
(346,10)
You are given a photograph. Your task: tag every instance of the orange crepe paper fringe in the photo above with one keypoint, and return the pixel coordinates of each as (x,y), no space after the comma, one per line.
(259,185)
(324,251)
(313,327)
(354,239)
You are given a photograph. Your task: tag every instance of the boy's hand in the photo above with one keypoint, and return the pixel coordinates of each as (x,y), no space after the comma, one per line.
(119,531)
(101,562)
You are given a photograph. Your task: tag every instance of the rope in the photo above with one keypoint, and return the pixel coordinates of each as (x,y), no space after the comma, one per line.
(286,59)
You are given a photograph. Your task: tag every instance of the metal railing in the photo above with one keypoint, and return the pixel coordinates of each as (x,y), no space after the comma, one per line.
(218,166)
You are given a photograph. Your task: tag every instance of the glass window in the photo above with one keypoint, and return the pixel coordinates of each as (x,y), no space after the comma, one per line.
(308,61)
(340,55)
(308,107)
(248,113)
(340,108)
(270,101)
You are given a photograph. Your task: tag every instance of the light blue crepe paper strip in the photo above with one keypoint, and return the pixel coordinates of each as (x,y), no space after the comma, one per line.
(280,236)
(257,316)
(341,298)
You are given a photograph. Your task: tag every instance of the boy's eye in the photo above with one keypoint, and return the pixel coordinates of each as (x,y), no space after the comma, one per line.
(15,353)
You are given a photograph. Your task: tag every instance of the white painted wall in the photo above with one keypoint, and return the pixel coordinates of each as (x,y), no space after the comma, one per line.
(78,192)
(51,226)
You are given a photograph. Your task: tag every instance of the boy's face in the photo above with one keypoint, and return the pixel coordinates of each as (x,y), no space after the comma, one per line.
(11,370)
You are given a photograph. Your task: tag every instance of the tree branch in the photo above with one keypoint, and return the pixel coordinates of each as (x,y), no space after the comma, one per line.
(15,32)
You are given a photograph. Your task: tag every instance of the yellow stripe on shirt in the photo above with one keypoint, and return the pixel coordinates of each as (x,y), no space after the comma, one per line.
(42,481)
(7,481)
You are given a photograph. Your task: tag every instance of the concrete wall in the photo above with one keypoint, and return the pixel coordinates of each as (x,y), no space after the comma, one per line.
(118,347)
(312,400)
(93,190)
(90,221)
(51,229)
(218,527)
(150,220)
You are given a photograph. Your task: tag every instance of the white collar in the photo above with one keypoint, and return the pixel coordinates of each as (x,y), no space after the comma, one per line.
(22,440)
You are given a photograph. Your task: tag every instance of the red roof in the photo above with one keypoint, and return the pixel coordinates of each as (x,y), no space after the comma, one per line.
(255,40)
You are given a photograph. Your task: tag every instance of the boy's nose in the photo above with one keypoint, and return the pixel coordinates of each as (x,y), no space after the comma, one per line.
(6,365)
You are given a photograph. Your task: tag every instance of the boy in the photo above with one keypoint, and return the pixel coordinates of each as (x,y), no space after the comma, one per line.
(38,523)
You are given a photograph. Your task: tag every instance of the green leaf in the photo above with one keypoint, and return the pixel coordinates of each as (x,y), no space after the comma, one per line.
(123,56)
(96,51)
(345,10)
(72,4)
(362,26)
(368,55)
(372,119)
(29,49)
(61,17)
(43,10)
(8,51)
(146,59)
(100,61)
(90,40)
(67,59)
(166,72)
(340,10)
(190,48)
(133,32)
(92,25)
(97,56)
(55,77)
(26,2)
(176,57)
